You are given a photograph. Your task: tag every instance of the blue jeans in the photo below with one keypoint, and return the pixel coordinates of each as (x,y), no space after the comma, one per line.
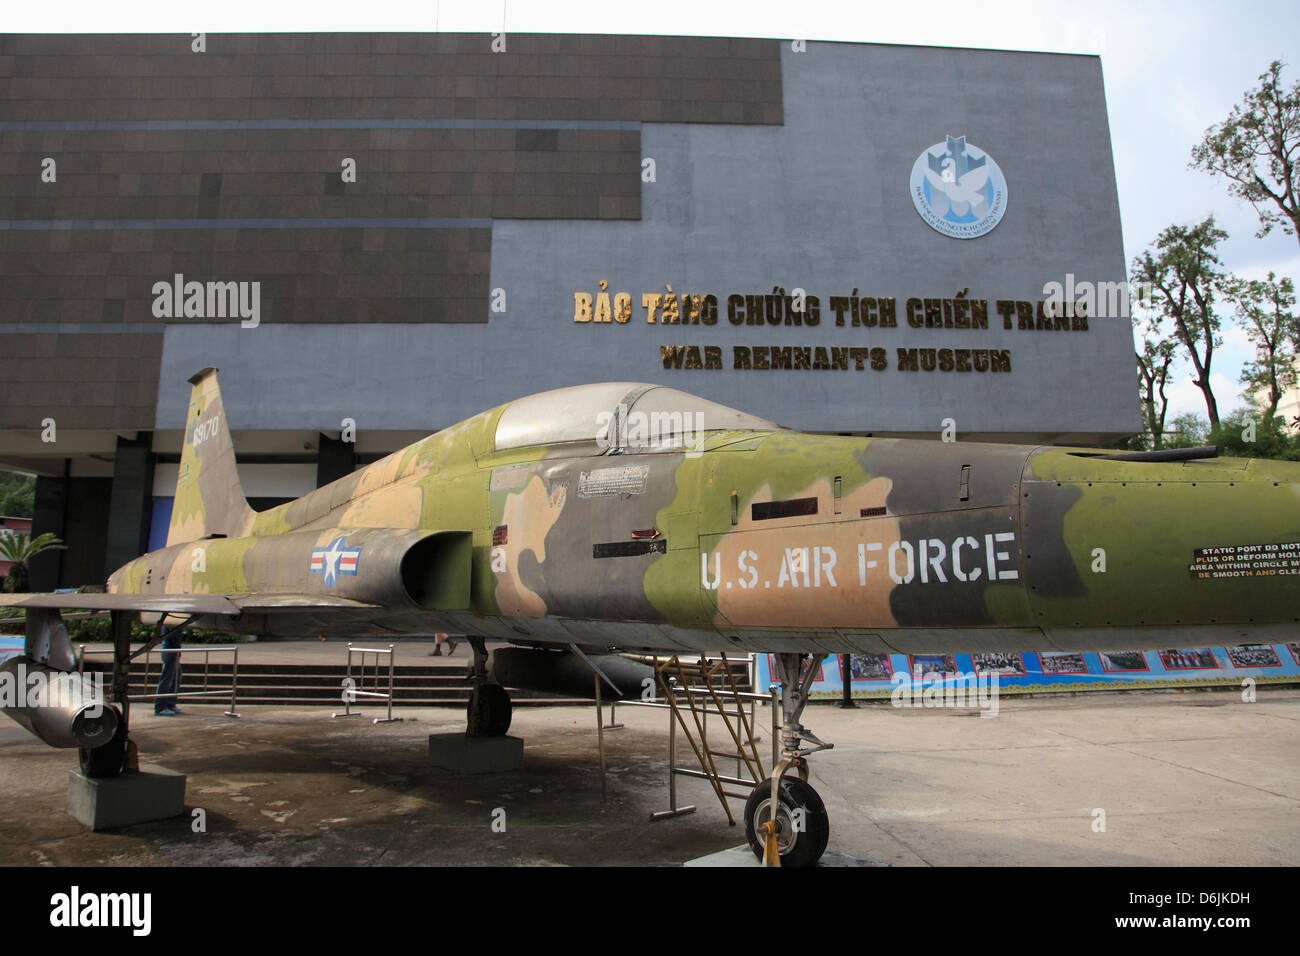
(170,681)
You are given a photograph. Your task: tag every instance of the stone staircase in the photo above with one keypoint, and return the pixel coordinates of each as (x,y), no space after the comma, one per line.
(427,684)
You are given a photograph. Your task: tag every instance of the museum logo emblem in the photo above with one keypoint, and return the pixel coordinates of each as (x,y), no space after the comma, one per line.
(958,189)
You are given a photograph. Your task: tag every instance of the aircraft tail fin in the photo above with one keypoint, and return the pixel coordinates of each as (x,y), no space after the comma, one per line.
(209,499)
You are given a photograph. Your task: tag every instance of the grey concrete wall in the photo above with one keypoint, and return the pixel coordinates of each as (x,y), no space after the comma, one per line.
(821,203)
(128,159)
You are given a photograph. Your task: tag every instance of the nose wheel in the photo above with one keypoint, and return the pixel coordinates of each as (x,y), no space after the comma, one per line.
(802,825)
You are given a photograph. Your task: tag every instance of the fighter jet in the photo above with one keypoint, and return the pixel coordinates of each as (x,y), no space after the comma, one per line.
(638,518)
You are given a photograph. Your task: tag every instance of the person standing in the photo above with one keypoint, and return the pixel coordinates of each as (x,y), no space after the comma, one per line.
(169,682)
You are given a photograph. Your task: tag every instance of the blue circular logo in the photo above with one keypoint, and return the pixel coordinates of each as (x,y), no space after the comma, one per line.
(958,189)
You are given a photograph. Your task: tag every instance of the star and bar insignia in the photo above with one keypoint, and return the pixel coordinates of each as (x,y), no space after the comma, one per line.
(335,559)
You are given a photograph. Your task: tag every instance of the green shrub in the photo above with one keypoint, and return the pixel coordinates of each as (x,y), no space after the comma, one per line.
(98,630)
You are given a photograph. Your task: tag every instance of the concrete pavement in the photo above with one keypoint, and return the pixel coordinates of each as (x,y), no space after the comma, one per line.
(1198,778)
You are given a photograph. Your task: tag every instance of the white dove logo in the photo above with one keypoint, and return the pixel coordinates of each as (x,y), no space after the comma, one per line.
(958,189)
(965,194)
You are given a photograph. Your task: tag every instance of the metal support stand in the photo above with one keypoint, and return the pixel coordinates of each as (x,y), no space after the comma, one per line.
(600,739)
(728,703)
(613,717)
(351,691)
(673,809)
(597,676)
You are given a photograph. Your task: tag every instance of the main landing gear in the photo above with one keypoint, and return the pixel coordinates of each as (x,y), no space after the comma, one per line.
(795,833)
(488,713)
(110,759)
(119,754)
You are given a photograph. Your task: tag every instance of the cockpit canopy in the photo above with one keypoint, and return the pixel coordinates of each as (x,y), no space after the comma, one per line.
(618,417)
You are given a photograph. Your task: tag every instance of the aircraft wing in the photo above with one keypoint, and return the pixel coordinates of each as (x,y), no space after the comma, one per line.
(226,605)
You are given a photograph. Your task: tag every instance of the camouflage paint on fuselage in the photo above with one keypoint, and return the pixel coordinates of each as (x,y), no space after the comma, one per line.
(758,538)
(1148,519)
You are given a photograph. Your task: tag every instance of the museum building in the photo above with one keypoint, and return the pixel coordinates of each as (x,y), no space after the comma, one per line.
(374,236)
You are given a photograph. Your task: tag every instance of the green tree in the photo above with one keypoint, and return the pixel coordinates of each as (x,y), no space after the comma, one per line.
(17,495)
(1183,274)
(1264,307)
(20,547)
(1188,430)
(1257,149)
(1153,363)
(1246,434)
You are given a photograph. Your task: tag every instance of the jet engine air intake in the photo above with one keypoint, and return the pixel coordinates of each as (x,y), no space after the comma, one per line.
(435,571)
(386,566)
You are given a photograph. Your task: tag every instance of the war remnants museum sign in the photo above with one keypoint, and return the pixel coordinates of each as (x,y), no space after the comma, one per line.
(779,309)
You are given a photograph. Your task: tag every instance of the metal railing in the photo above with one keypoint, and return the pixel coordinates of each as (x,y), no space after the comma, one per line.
(147,683)
(352,690)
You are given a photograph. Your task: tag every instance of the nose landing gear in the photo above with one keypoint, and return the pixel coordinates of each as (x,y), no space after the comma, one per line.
(785,819)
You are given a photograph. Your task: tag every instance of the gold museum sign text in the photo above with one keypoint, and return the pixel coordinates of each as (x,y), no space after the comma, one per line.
(779,309)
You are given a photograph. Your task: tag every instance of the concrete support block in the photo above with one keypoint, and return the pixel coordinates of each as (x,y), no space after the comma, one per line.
(476,754)
(155,793)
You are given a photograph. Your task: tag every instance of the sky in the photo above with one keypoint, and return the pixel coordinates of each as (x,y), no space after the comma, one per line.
(1171,71)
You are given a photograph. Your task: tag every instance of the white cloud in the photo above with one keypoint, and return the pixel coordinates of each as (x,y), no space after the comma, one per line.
(1184,396)
(1283,265)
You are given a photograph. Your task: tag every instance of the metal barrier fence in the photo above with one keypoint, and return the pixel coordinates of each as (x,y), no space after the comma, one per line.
(351,689)
(232,692)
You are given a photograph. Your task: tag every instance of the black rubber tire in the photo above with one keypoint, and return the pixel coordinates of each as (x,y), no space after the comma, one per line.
(817,810)
(797,849)
(106,761)
(488,713)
